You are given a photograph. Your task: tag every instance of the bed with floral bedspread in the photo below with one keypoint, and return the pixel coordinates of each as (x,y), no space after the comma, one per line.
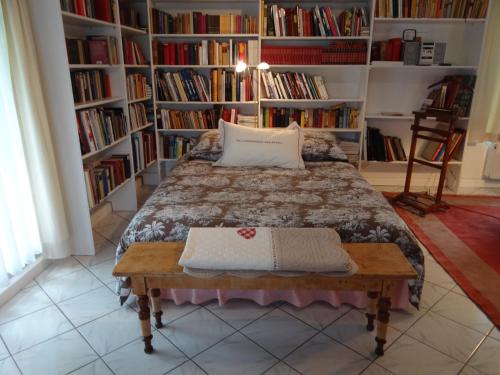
(325,194)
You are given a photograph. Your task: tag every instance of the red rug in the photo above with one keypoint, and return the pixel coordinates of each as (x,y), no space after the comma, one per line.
(465,240)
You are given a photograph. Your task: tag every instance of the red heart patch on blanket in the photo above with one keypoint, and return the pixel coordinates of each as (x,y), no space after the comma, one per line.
(247,233)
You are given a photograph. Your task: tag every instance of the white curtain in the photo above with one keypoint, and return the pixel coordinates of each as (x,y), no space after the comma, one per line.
(485,116)
(32,216)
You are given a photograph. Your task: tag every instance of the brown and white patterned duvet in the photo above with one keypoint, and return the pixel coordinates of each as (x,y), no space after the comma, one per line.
(325,194)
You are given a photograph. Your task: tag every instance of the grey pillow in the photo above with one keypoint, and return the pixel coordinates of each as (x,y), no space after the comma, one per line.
(318,146)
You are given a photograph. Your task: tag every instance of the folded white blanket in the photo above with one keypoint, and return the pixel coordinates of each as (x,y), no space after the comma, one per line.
(266,249)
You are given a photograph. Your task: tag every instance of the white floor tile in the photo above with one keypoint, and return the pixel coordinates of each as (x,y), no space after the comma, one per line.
(443,334)
(350,330)
(238,313)
(58,268)
(25,302)
(95,368)
(487,357)
(132,360)
(112,331)
(375,369)
(281,368)
(70,285)
(410,357)
(319,314)
(4,353)
(235,355)
(322,355)
(112,228)
(8,367)
(431,293)
(459,290)
(403,319)
(90,306)
(187,368)
(462,310)
(34,328)
(495,333)
(468,370)
(103,271)
(196,331)
(278,332)
(107,252)
(59,355)
(437,275)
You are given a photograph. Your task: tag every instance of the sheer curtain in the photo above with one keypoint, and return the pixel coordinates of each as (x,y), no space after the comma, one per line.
(32,217)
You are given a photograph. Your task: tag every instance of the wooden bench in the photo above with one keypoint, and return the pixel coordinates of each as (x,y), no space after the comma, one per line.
(152,266)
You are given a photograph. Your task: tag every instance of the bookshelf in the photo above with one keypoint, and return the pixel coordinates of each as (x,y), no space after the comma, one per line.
(357,85)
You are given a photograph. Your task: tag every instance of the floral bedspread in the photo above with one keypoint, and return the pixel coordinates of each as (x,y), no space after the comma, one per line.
(325,194)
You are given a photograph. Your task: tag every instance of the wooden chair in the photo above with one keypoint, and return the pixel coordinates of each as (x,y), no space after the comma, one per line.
(422,202)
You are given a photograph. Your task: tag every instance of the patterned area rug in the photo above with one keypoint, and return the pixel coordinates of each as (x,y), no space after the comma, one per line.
(465,240)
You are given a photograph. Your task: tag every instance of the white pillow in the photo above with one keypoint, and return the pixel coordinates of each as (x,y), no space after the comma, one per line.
(249,147)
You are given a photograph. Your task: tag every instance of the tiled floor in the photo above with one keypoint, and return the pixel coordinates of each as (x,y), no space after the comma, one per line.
(69,321)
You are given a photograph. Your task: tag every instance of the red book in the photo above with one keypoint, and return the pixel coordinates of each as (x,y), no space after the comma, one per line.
(394,49)
(166,53)
(98,52)
(172,49)
(107,86)
(103,10)
(330,21)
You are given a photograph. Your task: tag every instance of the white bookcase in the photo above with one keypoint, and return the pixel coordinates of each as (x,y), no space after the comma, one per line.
(371,89)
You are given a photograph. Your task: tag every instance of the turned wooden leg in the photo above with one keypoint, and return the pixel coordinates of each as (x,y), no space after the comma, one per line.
(371,310)
(144,316)
(156,304)
(384,303)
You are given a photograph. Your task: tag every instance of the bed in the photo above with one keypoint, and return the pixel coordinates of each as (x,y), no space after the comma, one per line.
(324,194)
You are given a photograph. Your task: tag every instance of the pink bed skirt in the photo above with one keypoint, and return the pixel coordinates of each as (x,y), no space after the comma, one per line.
(299,298)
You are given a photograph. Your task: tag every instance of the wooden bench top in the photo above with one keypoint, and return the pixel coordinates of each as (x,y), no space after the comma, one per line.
(376,261)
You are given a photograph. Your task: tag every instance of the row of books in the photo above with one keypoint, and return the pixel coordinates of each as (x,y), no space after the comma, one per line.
(132,53)
(101,9)
(90,85)
(203,23)
(175,119)
(105,176)
(99,127)
(138,116)
(453,92)
(293,85)
(174,146)
(431,8)
(339,116)
(206,52)
(222,85)
(92,50)
(318,21)
(143,150)
(383,148)
(131,17)
(434,151)
(250,121)
(387,50)
(338,52)
(138,87)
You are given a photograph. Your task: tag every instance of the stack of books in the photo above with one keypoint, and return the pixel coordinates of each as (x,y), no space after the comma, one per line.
(137,87)
(99,127)
(339,116)
(90,85)
(350,148)
(206,52)
(92,50)
(247,120)
(434,151)
(431,8)
(143,150)
(383,148)
(174,146)
(202,23)
(105,176)
(387,50)
(130,17)
(137,115)
(453,92)
(132,53)
(189,85)
(318,21)
(338,52)
(174,119)
(293,85)
(101,9)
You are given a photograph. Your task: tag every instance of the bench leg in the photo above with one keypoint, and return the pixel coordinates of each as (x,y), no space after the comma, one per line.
(144,316)
(384,303)
(371,310)
(156,304)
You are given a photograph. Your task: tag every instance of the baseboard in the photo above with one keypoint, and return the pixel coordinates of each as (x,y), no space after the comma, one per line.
(480,183)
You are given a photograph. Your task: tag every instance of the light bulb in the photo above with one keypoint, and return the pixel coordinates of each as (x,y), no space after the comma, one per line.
(240,66)
(263,66)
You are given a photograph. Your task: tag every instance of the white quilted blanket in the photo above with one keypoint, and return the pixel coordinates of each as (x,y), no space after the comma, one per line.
(265,249)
